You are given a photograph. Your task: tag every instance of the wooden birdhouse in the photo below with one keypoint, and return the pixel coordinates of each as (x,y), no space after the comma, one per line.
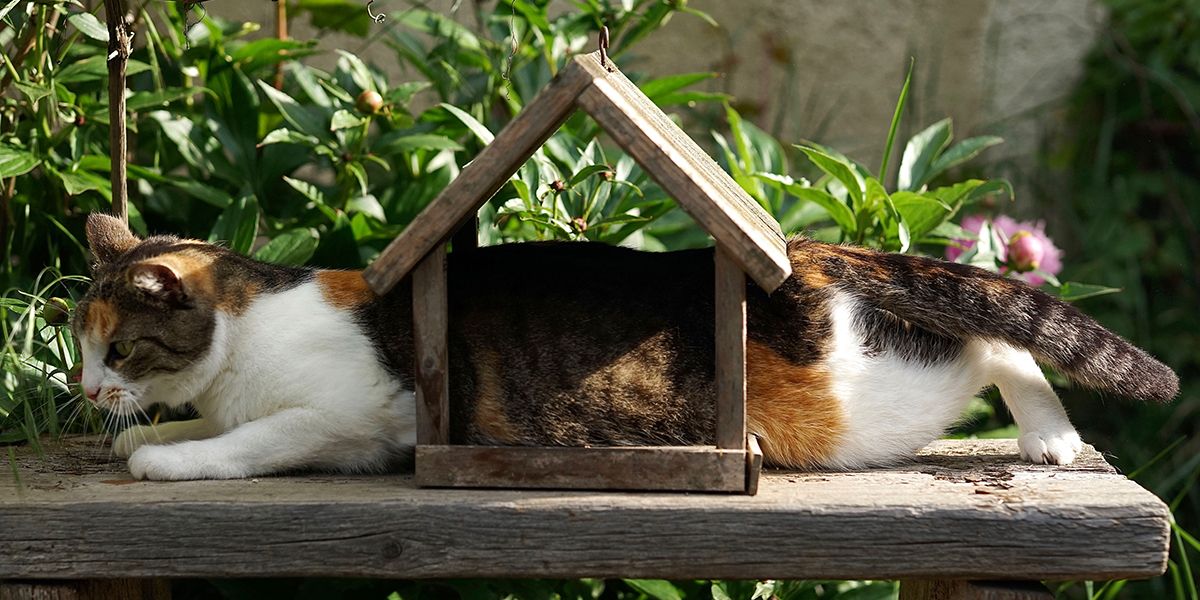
(748,243)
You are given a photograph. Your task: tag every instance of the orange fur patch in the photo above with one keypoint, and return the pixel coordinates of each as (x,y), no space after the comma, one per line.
(344,289)
(101,319)
(490,419)
(792,408)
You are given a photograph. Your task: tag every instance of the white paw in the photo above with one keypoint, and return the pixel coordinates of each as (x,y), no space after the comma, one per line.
(160,463)
(133,438)
(1057,448)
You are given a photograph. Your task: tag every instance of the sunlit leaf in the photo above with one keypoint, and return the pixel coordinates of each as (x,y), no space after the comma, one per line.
(293,247)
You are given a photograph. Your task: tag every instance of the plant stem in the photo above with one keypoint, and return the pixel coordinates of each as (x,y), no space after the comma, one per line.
(27,44)
(281,32)
(118,51)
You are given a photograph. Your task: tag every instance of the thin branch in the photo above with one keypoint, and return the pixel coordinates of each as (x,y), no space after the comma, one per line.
(119,36)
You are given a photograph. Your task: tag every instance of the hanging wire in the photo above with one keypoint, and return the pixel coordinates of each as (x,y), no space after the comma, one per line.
(506,75)
(378,18)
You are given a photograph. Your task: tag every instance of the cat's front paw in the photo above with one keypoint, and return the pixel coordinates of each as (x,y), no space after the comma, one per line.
(164,463)
(133,438)
(1050,448)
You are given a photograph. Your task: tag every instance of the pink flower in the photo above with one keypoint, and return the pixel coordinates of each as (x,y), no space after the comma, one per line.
(1022,247)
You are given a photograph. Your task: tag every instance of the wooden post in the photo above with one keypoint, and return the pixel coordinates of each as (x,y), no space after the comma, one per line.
(949,589)
(430,318)
(730,336)
(119,37)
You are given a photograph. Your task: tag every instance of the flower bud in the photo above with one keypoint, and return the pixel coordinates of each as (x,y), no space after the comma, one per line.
(369,102)
(1025,252)
(56,312)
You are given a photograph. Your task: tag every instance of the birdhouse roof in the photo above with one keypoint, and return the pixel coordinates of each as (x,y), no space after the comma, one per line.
(700,187)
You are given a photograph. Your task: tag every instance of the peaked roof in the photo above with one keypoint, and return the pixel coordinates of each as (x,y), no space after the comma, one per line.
(700,187)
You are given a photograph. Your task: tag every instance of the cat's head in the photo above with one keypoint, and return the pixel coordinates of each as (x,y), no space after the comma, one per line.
(149,321)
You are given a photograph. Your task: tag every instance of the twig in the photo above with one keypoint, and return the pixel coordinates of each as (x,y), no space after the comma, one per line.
(119,37)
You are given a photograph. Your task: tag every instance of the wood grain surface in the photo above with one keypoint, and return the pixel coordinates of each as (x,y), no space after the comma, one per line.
(682,468)
(961,509)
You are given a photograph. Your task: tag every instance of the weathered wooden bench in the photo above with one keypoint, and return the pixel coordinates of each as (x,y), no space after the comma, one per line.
(73,525)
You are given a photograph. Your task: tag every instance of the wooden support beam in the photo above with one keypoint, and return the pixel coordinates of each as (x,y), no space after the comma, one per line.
(947,589)
(673,468)
(480,179)
(730,300)
(87,589)
(430,319)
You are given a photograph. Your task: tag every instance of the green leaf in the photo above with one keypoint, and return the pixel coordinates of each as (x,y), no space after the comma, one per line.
(33,91)
(665,85)
(307,190)
(718,591)
(94,68)
(961,153)
(237,225)
(390,143)
(336,15)
(920,212)
(891,136)
(78,182)
(4,10)
(920,152)
(405,91)
(288,136)
(293,247)
(479,129)
(659,589)
(305,118)
(89,25)
(368,205)
(439,26)
(1071,291)
(270,51)
(839,169)
(344,119)
(196,189)
(15,162)
(357,70)
(139,101)
(586,172)
(838,211)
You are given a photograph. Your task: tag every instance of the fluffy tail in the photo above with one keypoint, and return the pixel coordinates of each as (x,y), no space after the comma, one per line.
(963,301)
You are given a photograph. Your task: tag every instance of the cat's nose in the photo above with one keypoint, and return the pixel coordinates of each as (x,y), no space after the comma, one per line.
(92,393)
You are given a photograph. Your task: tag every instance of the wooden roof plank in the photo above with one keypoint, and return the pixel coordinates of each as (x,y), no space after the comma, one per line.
(480,179)
(687,173)
(962,509)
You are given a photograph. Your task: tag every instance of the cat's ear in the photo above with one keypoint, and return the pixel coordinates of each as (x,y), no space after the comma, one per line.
(108,237)
(158,280)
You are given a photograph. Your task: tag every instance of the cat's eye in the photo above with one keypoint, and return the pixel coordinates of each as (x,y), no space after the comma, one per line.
(122,349)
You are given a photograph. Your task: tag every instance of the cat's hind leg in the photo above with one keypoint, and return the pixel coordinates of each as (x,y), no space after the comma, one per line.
(137,436)
(1047,436)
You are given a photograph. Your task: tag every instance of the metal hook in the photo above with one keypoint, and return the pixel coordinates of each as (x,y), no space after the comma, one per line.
(378,18)
(604,46)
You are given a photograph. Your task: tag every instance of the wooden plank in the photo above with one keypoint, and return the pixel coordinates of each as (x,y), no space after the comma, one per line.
(945,589)
(89,589)
(480,179)
(430,319)
(681,468)
(730,301)
(752,238)
(964,509)
(754,462)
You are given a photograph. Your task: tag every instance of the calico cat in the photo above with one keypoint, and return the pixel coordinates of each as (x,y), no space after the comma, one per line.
(859,359)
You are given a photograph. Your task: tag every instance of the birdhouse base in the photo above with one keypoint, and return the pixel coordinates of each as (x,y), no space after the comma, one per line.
(650,468)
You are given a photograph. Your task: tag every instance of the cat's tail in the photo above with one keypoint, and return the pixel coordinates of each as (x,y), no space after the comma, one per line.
(963,301)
